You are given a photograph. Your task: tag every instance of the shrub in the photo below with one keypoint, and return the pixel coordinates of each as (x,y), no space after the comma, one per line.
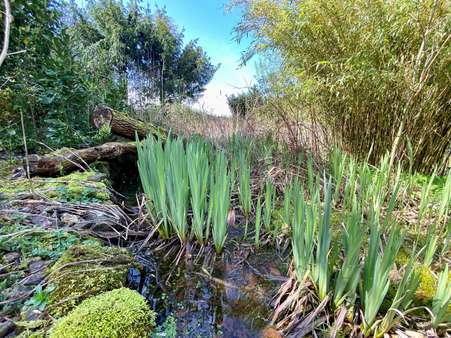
(117,313)
(243,103)
(375,72)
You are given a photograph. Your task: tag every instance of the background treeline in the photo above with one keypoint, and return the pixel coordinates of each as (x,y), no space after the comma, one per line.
(65,59)
(374,74)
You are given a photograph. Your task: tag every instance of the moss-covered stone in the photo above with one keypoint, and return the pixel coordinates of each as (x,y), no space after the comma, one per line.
(86,186)
(114,314)
(84,271)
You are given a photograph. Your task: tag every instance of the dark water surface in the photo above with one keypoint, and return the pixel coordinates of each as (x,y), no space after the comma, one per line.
(233,301)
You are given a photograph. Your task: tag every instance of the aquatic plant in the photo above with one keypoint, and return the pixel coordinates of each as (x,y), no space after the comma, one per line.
(198,173)
(445,200)
(431,246)
(338,167)
(302,241)
(245,187)
(377,267)
(320,266)
(405,293)
(219,200)
(177,186)
(441,301)
(349,273)
(268,204)
(287,204)
(424,198)
(258,223)
(311,177)
(152,172)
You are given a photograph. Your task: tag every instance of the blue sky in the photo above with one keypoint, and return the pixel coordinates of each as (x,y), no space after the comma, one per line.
(212,25)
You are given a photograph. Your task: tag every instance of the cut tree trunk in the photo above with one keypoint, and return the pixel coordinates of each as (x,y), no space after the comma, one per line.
(124,125)
(66,160)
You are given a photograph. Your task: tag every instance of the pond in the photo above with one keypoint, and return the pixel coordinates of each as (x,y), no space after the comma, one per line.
(208,295)
(226,296)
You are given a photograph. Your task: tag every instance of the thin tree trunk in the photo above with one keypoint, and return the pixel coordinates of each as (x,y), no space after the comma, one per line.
(8,19)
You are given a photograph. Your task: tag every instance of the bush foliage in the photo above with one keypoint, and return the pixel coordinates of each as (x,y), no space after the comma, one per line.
(243,104)
(377,72)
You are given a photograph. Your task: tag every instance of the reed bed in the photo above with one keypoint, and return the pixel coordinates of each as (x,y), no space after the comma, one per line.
(356,282)
(343,271)
(177,178)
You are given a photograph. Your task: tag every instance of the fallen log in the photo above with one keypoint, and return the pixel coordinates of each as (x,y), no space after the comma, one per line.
(66,160)
(124,125)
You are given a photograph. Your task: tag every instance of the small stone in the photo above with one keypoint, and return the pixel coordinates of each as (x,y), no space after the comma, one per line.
(17,291)
(34,279)
(270,332)
(69,219)
(18,173)
(36,264)
(31,315)
(12,258)
(41,220)
(6,327)
(97,177)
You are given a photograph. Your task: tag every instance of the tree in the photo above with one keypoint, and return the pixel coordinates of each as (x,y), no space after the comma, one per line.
(7,14)
(142,51)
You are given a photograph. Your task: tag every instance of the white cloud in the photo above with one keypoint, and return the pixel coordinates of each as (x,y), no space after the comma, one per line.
(214,99)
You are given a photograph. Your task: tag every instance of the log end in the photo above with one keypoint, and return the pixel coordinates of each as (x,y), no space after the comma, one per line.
(101,116)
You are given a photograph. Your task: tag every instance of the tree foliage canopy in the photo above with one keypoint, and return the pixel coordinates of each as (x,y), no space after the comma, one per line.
(144,50)
(67,59)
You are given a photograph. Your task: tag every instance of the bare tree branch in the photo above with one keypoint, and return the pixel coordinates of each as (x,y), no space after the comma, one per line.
(8,18)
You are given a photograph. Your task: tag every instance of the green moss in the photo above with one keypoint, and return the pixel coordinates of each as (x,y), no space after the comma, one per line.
(114,314)
(32,334)
(76,187)
(402,258)
(84,271)
(42,242)
(427,287)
